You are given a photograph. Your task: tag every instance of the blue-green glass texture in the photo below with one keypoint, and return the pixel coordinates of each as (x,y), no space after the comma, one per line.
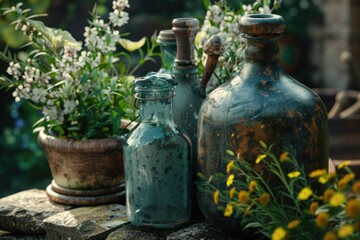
(157,159)
(167,42)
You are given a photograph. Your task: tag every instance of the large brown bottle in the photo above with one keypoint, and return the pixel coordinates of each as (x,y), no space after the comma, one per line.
(261,103)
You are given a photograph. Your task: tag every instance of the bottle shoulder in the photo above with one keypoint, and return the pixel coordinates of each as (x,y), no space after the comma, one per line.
(253,97)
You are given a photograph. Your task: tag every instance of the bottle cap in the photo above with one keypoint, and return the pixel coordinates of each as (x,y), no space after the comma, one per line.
(166,36)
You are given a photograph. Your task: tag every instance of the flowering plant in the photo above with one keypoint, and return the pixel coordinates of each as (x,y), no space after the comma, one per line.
(318,205)
(222,20)
(82,89)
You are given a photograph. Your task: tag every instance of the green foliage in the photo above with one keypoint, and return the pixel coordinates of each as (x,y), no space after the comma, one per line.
(279,200)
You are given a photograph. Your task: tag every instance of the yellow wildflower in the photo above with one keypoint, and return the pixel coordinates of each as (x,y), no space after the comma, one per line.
(284,157)
(325,178)
(230,180)
(356,187)
(252,186)
(337,199)
(279,234)
(305,193)
(353,208)
(293,224)
(322,219)
(328,195)
(264,199)
(216,197)
(229,209)
(345,180)
(259,158)
(294,174)
(243,196)
(229,166)
(317,173)
(344,164)
(232,192)
(345,230)
(313,207)
(330,236)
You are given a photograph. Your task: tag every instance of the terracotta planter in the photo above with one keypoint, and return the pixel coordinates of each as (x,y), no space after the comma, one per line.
(84,172)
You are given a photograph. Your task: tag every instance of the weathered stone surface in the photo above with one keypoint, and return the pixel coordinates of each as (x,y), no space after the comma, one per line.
(198,231)
(129,232)
(12,236)
(86,222)
(23,212)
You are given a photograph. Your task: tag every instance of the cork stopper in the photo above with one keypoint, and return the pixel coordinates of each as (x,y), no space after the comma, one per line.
(185,30)
(262,25)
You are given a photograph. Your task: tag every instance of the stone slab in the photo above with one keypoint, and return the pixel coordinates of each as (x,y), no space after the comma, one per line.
(203,230)
(129,232)
(93,223)
(24,212)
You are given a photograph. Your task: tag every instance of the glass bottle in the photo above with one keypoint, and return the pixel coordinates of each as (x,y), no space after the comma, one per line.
(167,42)
(157,159)
(261,103)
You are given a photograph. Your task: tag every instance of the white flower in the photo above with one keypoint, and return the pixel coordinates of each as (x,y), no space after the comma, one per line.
(38,95)
(69,106)
(120,5)
(14,70)
(265,9)
(118,19)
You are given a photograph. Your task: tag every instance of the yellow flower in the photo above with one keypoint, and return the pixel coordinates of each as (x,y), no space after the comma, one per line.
(216,197)
(294,174)
(279,234)
(344,164)
(356,187)
(345,230)
(230,180)
(243,196)
(293,224)
(313,207)
(284,157)
(305,193)
(228,210)
(322,219)
(353,208)
(252,186)
(259,158)
(330,236)
(345,180)
(337,199)
(325,178)
(264,199)
(232,192)
(317,173)
(229,166)
(328,195)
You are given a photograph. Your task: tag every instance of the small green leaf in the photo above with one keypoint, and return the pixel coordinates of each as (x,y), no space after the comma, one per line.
(130,45)
(263,144)
(231,153)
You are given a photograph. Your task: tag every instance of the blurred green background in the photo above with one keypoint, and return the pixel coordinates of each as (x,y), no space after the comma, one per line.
(22,163)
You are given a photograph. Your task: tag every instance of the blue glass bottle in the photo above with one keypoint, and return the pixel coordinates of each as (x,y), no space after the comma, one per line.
(157,159)
(167,42)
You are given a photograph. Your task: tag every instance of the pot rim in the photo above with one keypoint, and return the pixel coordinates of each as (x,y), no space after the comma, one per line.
(86,145)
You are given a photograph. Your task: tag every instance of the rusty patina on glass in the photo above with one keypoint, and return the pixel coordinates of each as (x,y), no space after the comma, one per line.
(261,103)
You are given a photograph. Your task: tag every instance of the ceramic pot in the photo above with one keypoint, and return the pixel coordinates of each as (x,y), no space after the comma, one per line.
(84,172)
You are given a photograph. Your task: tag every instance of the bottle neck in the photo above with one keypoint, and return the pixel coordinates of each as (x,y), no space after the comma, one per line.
(154,110)
(168,54)
(262,51)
